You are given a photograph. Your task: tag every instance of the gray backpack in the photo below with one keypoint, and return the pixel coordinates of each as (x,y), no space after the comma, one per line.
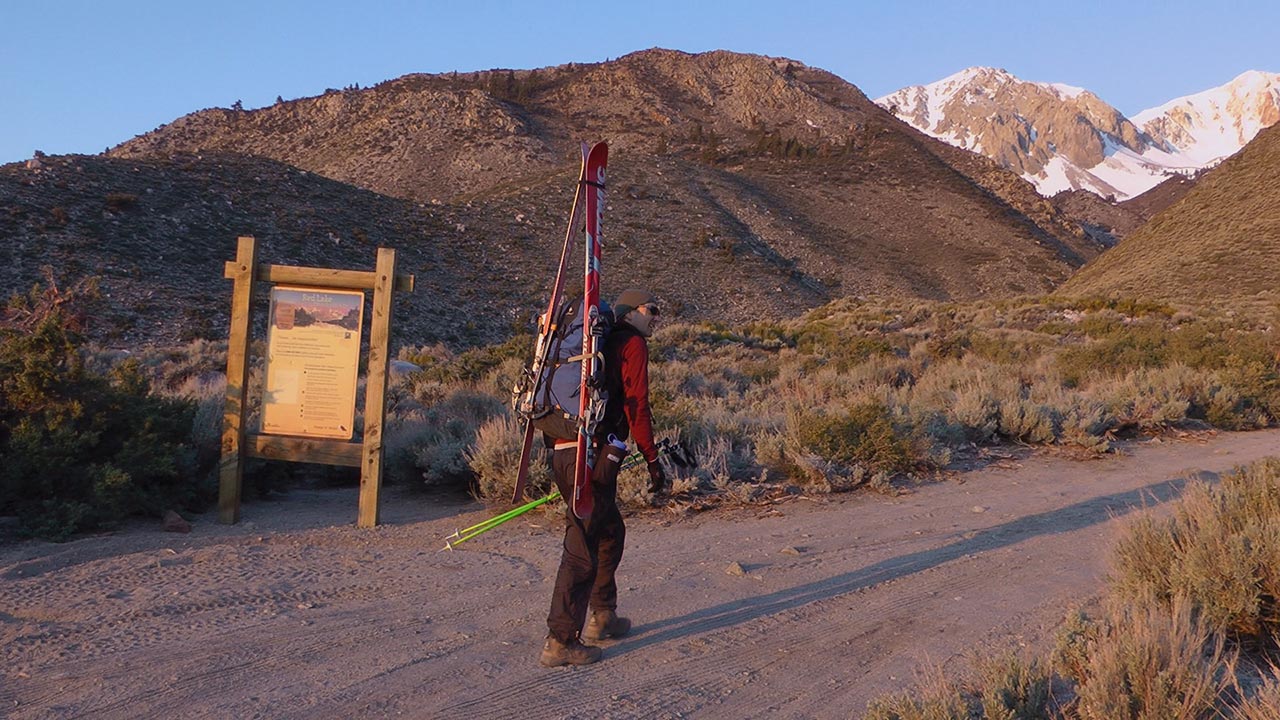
(558,394)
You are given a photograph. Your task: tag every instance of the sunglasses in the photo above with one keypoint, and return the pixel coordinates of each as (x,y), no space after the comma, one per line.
(650,309)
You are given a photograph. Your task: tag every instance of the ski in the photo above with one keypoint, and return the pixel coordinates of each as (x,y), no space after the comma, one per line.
(527,386)
(591,405)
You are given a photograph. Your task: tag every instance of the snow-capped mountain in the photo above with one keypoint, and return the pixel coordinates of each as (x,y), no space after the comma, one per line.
(1065,138)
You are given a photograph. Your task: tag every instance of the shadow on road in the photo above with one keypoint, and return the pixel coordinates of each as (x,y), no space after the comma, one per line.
(1062,520)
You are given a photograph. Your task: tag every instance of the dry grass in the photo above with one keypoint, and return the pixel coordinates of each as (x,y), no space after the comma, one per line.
(1189,594)
(856,394)
(1221,549)
(1152,661)
(1003,687)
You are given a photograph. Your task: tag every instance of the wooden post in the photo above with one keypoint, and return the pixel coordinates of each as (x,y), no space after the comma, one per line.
(375,410)
(238,444)
(231,470)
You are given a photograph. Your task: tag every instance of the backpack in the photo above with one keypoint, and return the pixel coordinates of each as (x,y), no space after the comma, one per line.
(557,394)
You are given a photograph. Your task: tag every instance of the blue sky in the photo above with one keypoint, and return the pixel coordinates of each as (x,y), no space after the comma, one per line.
(77,76)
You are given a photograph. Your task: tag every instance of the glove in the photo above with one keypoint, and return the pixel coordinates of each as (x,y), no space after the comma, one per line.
(599,329)
(657,477)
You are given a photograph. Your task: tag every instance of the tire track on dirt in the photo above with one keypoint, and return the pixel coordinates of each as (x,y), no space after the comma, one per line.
(776,625)
(85,648)
(839,601)
(745,636)
(234,660)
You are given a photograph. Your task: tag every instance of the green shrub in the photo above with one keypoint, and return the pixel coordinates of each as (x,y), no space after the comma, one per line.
(474,364)
(944,376)
(1131,307)
(905,706)
(1072,642)
(1151,398)
(843,345)
(951,346)
(1005,688)
(1140,346)
(494,458)
(1256,386)
(863,436)
(445,433)
(1011,689)
(1102,324)
(936,696)
(1008,348)
(81,450)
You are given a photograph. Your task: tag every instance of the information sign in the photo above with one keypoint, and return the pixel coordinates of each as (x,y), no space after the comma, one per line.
(313,359)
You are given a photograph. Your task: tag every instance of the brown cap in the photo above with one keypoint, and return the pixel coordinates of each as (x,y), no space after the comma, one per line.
(629,300)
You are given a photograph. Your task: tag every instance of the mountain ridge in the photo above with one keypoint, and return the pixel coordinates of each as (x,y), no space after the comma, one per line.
(1067,138)
(741,187)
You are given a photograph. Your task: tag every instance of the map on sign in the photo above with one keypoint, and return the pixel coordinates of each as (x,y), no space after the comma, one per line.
(313,360)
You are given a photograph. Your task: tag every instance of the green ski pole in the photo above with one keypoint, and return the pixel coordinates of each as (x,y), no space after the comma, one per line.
(490,523)
(485,526)
(498,519)
(493,522)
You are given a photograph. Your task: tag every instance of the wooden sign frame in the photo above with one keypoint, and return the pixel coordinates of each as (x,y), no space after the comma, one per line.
(238,444)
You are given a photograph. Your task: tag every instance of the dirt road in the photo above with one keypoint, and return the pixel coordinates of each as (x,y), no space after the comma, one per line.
(295,613)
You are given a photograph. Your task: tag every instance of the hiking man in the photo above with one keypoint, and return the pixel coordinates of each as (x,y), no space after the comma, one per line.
(593,547)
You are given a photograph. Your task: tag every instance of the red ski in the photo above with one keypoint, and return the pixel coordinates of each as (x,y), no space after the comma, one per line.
(527,387)
(591,407)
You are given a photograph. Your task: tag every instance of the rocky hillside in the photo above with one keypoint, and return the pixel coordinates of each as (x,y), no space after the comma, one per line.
(1218,245)
(740,186)
(1110,222)
(1107,222)
(157,233)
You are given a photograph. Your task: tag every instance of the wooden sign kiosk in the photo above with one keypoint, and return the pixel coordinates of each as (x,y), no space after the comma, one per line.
(237,444)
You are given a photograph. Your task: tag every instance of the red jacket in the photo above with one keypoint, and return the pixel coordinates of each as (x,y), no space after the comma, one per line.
(627,366)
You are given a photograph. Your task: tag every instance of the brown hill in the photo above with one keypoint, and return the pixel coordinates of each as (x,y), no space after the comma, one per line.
(1105,221)
(1218,245)
(1154,201)
(156,234)
(740,187)
(1109,222)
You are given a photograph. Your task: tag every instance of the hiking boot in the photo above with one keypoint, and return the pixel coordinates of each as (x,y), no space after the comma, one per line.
(605,624)
(556,653)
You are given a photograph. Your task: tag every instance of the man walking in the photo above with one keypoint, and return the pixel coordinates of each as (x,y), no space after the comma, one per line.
(585,582)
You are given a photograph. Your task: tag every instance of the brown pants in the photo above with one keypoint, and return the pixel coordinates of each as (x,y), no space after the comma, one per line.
(592,548)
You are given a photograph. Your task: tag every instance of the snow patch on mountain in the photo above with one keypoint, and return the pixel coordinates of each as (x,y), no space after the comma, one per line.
(1210,126)
(1037,128)
(1066,91)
